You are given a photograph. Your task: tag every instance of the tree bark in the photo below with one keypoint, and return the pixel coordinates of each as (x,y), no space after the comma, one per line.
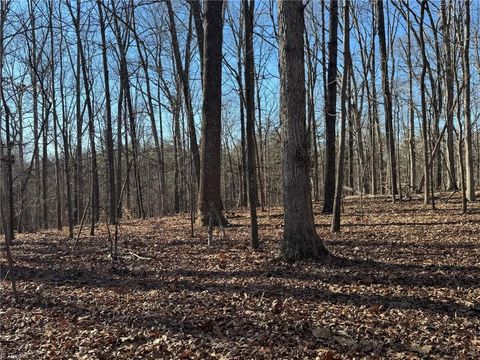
(387,98)
(110,169)
(335,227)
(469,169)
(300,240)
(248,11)
(330,111)
(449,108)
(209,198)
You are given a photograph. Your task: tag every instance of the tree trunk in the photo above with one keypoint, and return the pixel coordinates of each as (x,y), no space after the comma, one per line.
(300,240)
(209,198)
(424,108)
(124,78)
(469,169)
(387,98)
(58,196)
(33,71)
(330,111)
(449,111)
(186,91)
(335,227)
(411,114)
(110,169)
(248,11)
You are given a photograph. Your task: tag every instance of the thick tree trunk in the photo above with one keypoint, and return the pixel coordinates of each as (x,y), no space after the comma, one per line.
(209,197)
(300,240)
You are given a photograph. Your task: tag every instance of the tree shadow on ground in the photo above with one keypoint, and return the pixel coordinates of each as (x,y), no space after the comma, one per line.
(341,271)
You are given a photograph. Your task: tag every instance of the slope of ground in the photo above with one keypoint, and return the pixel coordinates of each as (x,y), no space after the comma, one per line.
(404,284)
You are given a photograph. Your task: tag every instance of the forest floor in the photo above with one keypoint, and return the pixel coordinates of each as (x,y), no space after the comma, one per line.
(405,285)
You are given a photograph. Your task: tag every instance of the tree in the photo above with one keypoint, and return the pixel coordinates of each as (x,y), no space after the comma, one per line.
(55,118)
(387,99)
(300,240)
(411,110)
(330,111)
(341,152)
(95,203)
(426,150)
(248,10)
(125,83)
(469,169)
(209,197)
(108,121)
(186,90)
(449,106)
(6,159)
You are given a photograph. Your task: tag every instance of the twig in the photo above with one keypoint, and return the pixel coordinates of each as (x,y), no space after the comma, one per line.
(81,223)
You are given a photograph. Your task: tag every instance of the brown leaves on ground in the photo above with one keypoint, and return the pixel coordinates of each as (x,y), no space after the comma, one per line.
(404,284)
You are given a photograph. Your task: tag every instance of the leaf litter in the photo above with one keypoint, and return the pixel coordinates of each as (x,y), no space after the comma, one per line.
(403,283)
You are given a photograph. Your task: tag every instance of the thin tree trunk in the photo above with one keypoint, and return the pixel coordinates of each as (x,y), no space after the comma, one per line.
(449,111)
(248,11)
(186,91)
(55,121)
(424,108)
(335,227)
(330,111)
(110,169)
(469,169)
(411,114)
(387,98)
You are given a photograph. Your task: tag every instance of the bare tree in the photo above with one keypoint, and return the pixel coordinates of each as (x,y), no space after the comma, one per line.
(300,240)
(330,111)
(110,169)
(248,11)
(209,199)
(341,152)
(469,169)
(387,98)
